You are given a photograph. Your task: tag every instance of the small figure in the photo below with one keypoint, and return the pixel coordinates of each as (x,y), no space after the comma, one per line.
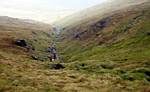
(53,53)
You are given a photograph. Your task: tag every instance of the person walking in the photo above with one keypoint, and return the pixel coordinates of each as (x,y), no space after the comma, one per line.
(53,53)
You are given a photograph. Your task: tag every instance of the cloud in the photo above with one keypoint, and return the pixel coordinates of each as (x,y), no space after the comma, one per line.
(43,10)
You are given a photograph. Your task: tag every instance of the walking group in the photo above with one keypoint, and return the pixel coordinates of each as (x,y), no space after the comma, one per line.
(53,53)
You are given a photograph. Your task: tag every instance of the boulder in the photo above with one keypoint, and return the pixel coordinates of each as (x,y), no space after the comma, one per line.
(148,33)
(21,43)
(34,57)
(56,66)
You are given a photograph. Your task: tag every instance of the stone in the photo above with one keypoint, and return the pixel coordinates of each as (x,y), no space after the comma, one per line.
(21,43)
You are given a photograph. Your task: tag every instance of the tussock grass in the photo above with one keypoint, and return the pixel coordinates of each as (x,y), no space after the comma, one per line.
(113,61)
(122,57)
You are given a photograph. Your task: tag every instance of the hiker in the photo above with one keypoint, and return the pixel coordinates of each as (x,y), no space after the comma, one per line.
(49,49)
(53,53)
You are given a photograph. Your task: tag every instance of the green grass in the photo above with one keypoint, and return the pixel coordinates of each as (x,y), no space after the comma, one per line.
(116,66)
(126,59)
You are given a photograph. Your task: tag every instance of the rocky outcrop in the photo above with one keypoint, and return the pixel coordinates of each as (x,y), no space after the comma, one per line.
(21,43)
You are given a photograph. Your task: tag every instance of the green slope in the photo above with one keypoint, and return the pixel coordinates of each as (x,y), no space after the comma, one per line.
(119,50)
(110,58)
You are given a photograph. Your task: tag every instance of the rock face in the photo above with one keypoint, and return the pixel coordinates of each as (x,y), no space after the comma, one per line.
(21,43)
(102,23)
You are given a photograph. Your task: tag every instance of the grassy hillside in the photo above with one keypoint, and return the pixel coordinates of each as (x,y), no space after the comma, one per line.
(20,73)
(101,53)
(115,46)
(92,14)
(15,61)
(23,23)
(36,38)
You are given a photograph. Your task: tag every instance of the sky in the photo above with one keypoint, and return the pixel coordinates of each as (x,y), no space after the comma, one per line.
(46,11)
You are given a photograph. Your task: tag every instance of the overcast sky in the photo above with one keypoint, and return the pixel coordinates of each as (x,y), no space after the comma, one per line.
(43,10)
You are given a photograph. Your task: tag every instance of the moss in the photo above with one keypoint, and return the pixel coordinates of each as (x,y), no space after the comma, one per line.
(133,76)
(143,70)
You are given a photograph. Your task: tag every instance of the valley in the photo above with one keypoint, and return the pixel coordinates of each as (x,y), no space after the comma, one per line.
(103,49)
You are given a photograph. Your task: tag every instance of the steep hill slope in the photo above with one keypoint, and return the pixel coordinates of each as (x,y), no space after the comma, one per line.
(23,23)
(112,43)
(92,15)
(16,64)
(12,29)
